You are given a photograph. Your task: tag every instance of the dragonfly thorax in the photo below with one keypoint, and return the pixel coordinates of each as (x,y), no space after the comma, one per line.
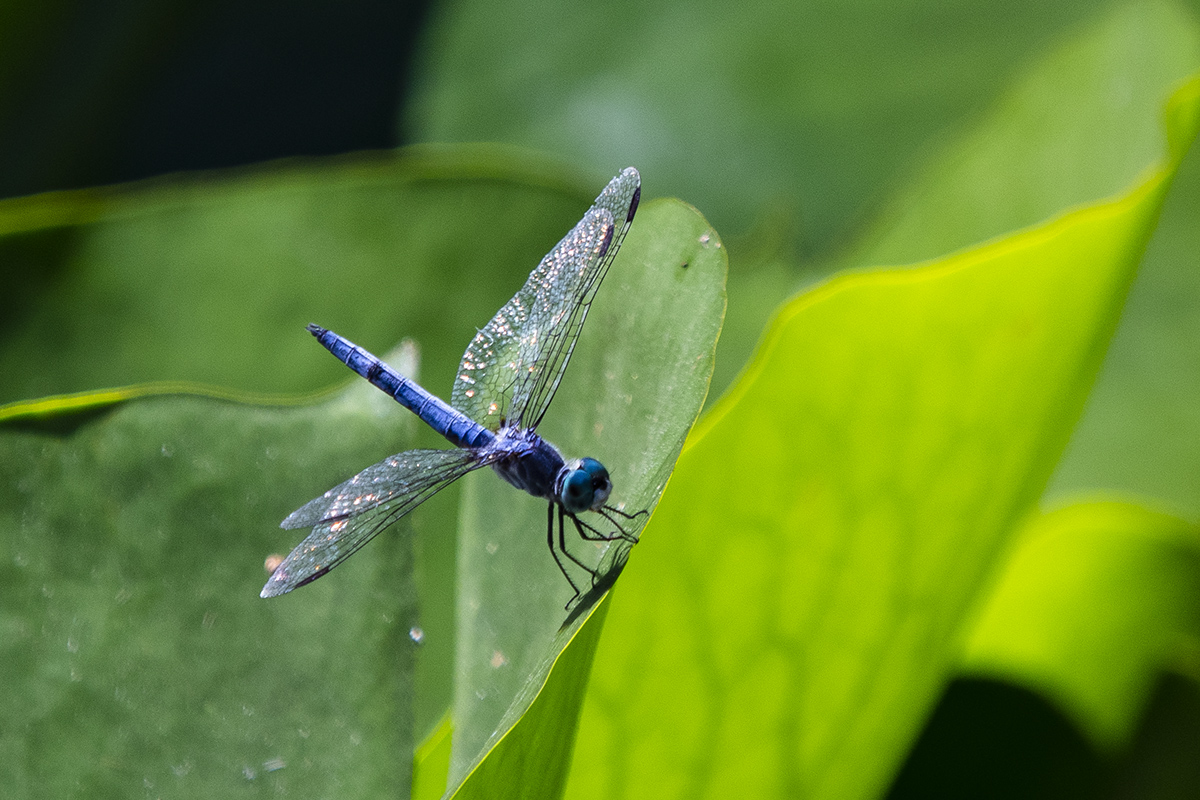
(534,464)
(537,467)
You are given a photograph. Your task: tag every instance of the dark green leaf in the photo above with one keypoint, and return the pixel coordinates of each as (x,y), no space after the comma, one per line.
(137,655)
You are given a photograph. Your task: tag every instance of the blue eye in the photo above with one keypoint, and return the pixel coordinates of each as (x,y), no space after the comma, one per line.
(577,491)
(586,487)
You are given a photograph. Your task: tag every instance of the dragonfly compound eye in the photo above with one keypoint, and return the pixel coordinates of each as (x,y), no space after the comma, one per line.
(601,485)
(576,493)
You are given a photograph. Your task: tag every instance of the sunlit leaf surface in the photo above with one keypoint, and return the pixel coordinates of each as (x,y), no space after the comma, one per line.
(794,608)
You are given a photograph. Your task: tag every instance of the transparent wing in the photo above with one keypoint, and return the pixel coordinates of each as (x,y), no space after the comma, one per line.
(351,513)
(513,366)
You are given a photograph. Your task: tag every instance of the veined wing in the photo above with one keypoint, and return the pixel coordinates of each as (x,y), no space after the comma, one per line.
(513,366)
(350,514)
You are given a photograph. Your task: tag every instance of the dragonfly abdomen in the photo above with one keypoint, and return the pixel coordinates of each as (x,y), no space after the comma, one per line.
(460,429)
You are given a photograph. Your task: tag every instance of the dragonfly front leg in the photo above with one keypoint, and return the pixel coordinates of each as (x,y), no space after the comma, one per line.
(562,542)
(595,535)
(608,511)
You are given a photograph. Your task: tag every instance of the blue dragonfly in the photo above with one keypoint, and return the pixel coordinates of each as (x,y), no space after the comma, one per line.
(505,382)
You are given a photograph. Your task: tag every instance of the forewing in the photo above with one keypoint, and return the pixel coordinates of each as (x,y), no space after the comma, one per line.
(351,513)
(512,367)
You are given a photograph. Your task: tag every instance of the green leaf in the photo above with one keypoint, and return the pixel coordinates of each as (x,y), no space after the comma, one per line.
(1098,599)
(855,92)
(1081,122)
(431,763)
(795,607)
(634,388)
(1140,433)
(137,656)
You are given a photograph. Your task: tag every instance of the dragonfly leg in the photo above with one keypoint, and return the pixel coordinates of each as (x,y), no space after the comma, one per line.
(591,534)
(607,511)
(554,551)
(562,542)
(594,534)
(624,514)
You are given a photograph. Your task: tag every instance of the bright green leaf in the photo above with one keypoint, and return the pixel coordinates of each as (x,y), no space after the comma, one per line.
(1096,601)
(794,610)
(431,763)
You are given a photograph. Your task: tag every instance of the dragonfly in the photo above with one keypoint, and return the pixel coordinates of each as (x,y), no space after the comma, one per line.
(505,383)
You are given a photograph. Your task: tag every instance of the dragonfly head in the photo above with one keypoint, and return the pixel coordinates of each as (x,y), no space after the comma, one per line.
(583,486)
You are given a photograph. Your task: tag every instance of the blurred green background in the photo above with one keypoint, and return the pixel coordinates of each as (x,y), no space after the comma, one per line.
(814,137)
